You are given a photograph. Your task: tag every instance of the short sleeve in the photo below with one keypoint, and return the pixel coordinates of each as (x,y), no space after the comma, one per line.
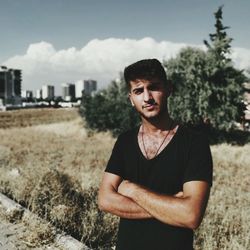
(199,165)
(115,163)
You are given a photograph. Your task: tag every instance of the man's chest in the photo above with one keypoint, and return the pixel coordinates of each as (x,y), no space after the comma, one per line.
(163,174)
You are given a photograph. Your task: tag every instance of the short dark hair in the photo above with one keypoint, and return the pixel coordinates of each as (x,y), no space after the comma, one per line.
(145,69)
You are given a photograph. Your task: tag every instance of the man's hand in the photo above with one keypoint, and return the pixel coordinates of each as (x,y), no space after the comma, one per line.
(179,195)
(110,200)
(126,188)
(184,209)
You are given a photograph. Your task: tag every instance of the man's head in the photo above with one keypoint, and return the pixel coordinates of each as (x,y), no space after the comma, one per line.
(146,69)
(148,88)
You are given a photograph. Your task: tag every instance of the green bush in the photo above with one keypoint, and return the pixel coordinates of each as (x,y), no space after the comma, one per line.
(109,109)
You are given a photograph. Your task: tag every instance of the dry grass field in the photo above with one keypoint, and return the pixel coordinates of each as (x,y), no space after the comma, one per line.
(54,168)
(30,117)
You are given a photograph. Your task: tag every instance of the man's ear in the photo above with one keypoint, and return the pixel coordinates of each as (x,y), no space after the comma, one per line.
(129,96)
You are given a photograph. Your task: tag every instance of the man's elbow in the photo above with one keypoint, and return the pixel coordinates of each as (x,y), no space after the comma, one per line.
(194,224)
(194,221)
(103,204)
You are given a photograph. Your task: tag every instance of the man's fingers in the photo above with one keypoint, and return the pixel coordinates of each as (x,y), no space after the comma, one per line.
(179,194)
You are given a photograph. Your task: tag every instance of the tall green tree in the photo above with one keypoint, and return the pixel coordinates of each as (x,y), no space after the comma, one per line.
(188,72)
(206,84)
(226,81)
(220,43)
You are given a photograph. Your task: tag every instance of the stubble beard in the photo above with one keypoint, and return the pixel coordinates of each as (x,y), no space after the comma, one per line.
(157,116)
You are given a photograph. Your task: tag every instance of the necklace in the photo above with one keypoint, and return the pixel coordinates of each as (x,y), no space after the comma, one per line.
(143,143)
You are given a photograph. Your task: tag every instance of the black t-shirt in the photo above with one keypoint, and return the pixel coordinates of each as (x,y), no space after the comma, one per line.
(187,157)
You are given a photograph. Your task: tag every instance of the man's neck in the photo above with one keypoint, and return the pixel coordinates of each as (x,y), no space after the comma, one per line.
(158,125)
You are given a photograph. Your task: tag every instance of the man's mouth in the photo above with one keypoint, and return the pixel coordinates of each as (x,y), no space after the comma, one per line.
(149,106)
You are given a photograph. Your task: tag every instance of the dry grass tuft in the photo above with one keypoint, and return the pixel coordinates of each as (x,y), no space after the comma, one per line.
(99,229)
(40,233)
(57,192)
(14,215)
(60,199)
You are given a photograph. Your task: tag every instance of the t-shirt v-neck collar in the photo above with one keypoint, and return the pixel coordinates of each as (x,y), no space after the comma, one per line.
(161,152)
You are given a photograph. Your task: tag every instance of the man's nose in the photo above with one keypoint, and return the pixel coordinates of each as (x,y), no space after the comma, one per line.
(147,95)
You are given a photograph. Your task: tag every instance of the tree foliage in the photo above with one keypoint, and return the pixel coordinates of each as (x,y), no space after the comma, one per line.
(206,85)
(109,109)
(188,72)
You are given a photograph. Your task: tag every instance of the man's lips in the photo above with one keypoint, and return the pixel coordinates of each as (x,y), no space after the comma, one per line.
(148,106)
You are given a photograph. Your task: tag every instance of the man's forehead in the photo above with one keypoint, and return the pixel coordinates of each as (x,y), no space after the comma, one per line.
(139,81)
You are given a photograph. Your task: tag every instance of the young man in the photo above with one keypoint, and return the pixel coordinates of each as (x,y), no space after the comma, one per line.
(159,175)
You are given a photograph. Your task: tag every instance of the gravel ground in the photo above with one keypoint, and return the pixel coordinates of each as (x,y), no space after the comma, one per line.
(22,230)
(11,236)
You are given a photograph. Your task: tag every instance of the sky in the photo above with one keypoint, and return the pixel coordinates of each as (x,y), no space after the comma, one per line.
(57,41)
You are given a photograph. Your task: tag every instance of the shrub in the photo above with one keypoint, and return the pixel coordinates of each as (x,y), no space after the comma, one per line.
(109,109)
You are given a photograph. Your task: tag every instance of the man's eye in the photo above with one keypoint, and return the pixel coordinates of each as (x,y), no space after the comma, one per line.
(154,88)
(138,91)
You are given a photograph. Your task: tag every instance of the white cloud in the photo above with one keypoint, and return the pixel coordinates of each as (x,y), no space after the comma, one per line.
(241,58)
(101,60)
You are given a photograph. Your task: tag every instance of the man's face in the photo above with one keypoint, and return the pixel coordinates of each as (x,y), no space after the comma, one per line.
(149,97)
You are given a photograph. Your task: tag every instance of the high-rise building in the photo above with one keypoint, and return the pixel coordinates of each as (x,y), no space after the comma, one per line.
(48,92)
(38,93)
(27,94)
(68,91)
(79,88)
(88,86)
(10,85)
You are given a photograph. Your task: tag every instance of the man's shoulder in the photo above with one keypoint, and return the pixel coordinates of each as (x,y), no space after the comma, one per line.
(126,140)
(128,134)
(192,134)
(190,130)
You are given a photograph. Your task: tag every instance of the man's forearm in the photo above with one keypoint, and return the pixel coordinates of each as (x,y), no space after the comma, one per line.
(183,212)
(122,206)
(168,209)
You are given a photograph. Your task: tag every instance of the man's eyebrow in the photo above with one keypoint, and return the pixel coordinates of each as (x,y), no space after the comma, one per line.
(137,88)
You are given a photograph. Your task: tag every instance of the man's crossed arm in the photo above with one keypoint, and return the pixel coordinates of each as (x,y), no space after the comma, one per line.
(109,200)
(129,200)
